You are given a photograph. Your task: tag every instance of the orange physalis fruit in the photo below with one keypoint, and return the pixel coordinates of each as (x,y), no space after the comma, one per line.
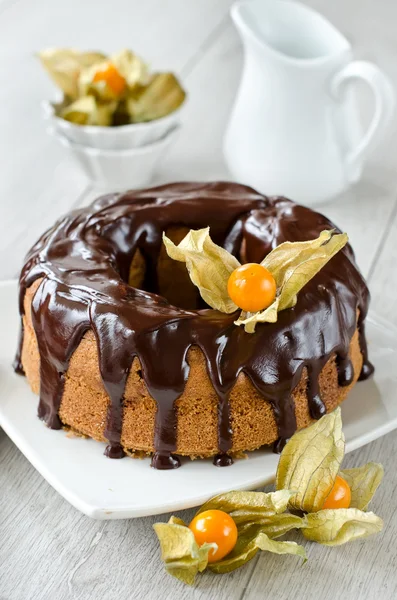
(340,495)
(215,526)
(252,287)
(112,78)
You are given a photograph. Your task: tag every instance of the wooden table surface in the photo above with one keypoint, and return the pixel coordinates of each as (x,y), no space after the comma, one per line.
(48,550)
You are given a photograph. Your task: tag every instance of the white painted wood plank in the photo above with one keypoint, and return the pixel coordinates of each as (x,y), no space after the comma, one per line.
(383,278)
(23,223)
(167,33)
(197,153)
(364,213)
(49,550)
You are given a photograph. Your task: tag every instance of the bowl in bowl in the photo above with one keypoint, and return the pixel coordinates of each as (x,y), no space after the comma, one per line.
(121,137)
(118,169)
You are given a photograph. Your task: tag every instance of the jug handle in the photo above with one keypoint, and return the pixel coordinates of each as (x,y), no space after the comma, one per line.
(384,96)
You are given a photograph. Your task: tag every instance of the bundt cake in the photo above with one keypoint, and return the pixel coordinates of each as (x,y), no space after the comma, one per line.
(120,346)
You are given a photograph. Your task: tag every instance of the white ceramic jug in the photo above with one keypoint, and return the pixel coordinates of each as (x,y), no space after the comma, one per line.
(294,128)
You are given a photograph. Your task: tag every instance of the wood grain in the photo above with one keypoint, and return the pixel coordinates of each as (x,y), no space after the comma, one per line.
(48,549)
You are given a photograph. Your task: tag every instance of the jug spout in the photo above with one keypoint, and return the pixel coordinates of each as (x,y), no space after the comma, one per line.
(287,30)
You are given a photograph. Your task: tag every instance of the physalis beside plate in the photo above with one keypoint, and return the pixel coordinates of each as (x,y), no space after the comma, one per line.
(307,481)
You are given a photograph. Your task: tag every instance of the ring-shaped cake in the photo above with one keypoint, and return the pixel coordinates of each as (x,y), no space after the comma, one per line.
(120,347)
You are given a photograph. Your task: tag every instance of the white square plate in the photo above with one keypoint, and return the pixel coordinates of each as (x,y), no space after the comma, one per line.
(118,489)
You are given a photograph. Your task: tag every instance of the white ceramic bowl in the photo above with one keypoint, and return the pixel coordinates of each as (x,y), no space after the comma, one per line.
(122,137)
(118,169)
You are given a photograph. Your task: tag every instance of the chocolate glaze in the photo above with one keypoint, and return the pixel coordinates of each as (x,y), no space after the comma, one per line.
(83,263)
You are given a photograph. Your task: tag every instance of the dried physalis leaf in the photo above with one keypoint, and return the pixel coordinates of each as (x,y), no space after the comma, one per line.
(87,59)
(288,254)
(177,521)
(257,512)
(87,111)
(131,67)
(64,66)
(292,265)
(310,462)
(273,526)
(338,526)
(363,482)
(181,554)
(248,544)
(253,503)
(305,265)
(160,97)
(250,320)
(209,267)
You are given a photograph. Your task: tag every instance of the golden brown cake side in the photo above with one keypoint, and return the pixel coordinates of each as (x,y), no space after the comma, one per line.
(85,403)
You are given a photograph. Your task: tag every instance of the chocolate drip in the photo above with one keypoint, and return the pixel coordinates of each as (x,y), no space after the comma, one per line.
(367,368)
(114,450)
(317,407)
(279,445)
(222,460)
(345,370)
(225,429)
(366,371)
(165,461)
(17,364)
(83,262)
(55,353)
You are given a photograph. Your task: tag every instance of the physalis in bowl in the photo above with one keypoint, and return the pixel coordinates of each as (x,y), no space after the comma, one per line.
(110,90)
(328,505)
